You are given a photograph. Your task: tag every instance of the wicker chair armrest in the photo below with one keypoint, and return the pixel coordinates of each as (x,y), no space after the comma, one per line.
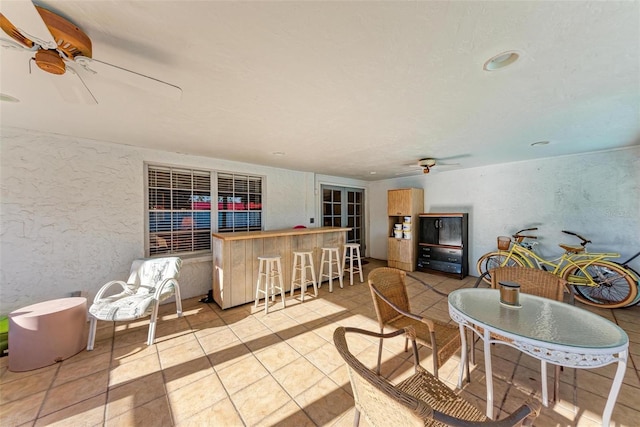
(480,280)
(408,331)
(525,415)
(123,285)
(403,331)
(430,324)
(568,288)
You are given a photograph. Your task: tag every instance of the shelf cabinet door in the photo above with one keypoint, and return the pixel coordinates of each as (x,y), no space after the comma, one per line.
(401,254)
(429,231)
(400,249)
(451,231)
(399,202)
(441,230)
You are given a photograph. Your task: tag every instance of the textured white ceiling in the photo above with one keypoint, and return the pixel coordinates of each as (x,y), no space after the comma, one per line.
(348,88)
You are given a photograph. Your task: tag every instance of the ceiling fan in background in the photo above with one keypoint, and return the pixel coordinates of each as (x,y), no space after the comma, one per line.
(58,47)
(427,164)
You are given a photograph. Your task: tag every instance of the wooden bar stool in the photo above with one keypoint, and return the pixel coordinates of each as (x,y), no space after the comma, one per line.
(303,261)
(270,268)
(352,252)
(330,256)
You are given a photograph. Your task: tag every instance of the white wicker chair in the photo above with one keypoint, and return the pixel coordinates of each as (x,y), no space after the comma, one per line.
(150,282)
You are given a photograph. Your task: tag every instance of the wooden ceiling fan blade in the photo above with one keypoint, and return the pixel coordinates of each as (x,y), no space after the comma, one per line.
(72,87)
(25,17)
(122,75)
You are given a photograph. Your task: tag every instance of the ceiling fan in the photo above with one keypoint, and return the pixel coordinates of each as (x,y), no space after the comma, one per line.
(58,47)
(426,165)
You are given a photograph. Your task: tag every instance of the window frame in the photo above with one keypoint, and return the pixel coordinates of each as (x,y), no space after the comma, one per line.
(172,214)
(237,205)
(213,209)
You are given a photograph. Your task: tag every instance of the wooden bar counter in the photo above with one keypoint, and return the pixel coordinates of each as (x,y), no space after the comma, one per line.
(235,258)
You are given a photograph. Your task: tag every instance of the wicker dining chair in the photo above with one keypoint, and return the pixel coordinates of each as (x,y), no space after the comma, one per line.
(391,302)
(419,400)
(535,282)
(532,281)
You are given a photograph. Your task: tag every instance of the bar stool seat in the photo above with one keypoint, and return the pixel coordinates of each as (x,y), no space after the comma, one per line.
(303,261)
(270,269)
(330,256)
(352,253)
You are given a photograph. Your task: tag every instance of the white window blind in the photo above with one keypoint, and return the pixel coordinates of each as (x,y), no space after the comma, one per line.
(239,202)
(179,210)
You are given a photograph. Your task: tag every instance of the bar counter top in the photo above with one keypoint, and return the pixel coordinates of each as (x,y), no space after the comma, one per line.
(244,235)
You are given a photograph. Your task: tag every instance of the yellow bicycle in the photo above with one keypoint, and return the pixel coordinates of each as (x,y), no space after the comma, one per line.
(597,281)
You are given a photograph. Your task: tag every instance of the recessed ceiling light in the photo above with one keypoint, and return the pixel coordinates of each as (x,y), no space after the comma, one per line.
(278,153)
(8,98)
(373,173)
(536,144)
(501,60)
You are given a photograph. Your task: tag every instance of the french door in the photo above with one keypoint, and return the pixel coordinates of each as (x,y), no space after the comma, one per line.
(344,207)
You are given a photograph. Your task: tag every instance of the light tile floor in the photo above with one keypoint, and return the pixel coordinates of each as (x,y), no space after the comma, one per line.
(242,367)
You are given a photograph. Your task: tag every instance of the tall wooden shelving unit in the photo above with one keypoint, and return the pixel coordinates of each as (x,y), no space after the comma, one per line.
(401,203)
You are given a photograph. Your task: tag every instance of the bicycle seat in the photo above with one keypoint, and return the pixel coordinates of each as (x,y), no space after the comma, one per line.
(572,249)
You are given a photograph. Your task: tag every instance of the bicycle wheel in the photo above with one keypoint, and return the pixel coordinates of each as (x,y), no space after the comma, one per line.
(493,260)
(637,280)
(615,287)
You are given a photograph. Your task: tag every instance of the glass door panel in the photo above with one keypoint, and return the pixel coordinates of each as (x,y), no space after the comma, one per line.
(344,207)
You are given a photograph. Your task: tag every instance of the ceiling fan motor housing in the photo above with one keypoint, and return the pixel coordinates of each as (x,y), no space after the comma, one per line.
(427,163)
(50,61)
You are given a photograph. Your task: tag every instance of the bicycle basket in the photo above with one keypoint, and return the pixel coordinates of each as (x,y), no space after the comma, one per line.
(503,243)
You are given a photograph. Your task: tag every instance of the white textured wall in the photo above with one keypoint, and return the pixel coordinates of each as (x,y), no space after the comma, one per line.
(72,213)
(596,195)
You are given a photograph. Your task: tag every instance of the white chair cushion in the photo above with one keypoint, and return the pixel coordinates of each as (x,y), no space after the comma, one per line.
(120,307)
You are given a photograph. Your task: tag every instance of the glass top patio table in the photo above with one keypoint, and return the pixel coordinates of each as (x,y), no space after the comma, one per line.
(540,319)
(548,330)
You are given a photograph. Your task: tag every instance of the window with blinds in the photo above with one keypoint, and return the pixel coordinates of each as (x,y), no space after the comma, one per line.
(179,210)
(239,202)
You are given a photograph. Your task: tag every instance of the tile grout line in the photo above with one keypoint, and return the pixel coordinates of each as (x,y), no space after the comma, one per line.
(215,372)
(108,391)
(46,394)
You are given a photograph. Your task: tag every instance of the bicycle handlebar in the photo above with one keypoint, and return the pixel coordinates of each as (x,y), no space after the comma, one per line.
(527,229)
(520,237)
(584,241)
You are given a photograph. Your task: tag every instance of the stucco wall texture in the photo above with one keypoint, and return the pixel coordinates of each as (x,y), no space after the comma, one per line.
(72,214)
(72,210)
